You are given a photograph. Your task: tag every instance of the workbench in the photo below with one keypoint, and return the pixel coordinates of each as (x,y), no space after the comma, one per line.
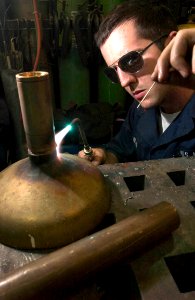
(164,271)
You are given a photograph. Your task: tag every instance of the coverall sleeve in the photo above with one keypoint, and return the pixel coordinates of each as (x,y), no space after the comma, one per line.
(122,144)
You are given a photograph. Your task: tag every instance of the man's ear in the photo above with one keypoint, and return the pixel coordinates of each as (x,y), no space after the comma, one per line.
(171,35)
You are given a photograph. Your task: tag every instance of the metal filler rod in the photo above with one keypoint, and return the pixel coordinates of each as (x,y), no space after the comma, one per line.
(146,94)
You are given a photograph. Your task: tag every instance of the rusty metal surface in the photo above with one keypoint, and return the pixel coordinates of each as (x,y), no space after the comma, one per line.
(152,274)
(150,183)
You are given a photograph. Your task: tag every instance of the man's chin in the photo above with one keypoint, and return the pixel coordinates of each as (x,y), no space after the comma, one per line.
(146,104)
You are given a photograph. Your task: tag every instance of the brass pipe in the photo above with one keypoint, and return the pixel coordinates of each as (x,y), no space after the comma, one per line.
(36,106)
(73,263)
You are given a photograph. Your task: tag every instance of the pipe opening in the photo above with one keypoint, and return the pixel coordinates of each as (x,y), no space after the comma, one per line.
(31,74)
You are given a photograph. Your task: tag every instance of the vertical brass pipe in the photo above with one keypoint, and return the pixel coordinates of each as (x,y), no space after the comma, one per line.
(36,106)
(78,260)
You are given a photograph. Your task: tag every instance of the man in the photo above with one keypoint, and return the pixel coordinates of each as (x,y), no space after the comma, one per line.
(131,39)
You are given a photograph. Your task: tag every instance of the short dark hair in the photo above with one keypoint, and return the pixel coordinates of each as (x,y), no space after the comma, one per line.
(152,20)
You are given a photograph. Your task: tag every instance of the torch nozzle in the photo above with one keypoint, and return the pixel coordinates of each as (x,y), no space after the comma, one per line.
(87,149)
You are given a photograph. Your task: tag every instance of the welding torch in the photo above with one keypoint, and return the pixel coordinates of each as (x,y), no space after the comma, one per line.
(86,147)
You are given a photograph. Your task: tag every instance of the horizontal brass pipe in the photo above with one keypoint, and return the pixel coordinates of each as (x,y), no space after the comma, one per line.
(71,264)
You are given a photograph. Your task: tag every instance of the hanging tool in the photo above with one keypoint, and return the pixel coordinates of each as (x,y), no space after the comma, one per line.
(16,55)
(7,57)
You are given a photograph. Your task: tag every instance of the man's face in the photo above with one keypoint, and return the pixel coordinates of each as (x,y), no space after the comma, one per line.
(122,40)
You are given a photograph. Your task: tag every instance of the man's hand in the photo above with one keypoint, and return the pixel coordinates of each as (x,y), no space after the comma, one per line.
(99,157)
(179,55)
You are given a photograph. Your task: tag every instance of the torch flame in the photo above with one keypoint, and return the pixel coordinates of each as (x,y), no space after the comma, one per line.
(59,137)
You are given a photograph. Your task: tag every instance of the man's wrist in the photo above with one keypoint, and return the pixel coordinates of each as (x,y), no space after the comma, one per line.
(110,158)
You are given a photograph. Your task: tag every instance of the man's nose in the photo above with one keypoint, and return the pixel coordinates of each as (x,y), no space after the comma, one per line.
(126,78)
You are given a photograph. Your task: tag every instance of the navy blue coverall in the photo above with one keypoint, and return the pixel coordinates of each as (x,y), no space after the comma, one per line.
(140,139)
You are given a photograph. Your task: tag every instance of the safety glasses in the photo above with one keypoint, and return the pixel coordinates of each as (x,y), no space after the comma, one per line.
(132,62)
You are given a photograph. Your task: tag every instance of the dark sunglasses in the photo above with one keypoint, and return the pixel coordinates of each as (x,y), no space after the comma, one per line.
(132,62)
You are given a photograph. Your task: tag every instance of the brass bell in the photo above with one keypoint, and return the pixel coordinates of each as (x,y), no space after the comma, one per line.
(47,201)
